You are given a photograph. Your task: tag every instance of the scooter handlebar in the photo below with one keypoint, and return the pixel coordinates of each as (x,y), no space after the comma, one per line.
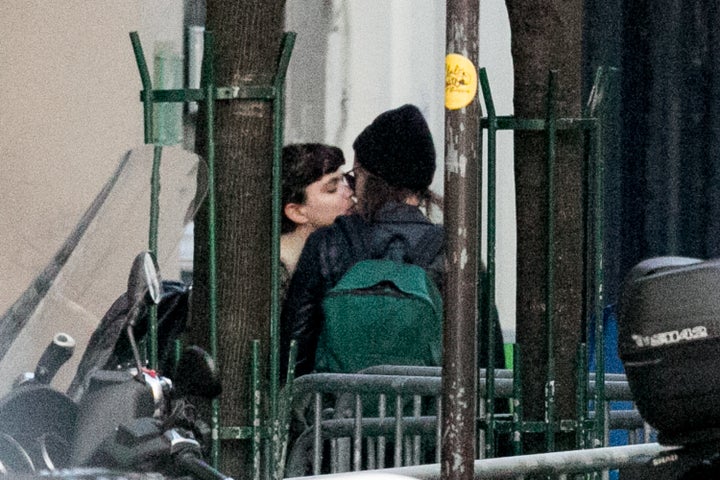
(55,355)
(192,463)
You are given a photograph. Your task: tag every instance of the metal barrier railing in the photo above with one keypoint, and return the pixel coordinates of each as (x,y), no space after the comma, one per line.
(389,416)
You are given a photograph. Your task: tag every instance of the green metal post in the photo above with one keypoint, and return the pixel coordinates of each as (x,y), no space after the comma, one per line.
(489,295)
(147,87)
(208,85)
(256,401)
(277,416)
(581,396)
(601,89)
(598,167)
(153,243)
(282,424)
(599,326)
(517,413)
(551,132)
(278,109)
(155,180)
(588,216)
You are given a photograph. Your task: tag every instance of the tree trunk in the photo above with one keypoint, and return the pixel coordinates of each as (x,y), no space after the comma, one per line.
(247,45)
(547,35)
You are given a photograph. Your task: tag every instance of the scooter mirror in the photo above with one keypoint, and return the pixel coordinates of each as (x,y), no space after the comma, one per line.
(144,280)
(152,277)
(197,374)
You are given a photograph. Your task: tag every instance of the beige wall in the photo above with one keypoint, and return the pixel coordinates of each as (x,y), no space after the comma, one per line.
(69,111)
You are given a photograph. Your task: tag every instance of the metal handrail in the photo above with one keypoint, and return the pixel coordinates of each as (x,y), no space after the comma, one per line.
(554,463)
(420,385)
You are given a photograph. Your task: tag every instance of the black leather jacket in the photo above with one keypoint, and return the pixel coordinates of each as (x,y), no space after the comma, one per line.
(400,232)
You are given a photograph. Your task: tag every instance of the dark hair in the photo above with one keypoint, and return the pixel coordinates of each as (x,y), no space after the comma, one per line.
(303,164)
(377,192)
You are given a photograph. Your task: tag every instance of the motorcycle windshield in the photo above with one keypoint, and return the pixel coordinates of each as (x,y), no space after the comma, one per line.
(74,290)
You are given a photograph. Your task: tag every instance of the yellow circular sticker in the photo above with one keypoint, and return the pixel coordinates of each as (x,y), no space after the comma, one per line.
(460,81)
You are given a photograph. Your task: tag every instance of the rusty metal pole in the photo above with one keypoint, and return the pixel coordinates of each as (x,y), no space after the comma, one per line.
(461,218)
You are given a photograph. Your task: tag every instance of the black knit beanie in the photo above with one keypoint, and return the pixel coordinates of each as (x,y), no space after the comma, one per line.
(398,147)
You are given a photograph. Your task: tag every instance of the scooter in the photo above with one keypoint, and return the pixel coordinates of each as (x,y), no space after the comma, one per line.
(668,340)
(122,419)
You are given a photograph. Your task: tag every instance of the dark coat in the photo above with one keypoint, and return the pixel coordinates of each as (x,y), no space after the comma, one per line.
(401,233)
(328,255)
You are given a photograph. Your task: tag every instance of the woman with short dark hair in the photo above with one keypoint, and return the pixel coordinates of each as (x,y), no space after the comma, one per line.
(314,193)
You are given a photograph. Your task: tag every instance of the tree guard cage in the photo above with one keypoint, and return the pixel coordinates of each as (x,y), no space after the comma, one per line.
(209,93)
(590,429)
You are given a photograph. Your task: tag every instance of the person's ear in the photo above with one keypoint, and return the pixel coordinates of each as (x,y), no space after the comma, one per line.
(296,213)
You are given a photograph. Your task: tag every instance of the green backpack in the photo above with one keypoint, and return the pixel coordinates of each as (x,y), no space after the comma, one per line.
(381,312)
